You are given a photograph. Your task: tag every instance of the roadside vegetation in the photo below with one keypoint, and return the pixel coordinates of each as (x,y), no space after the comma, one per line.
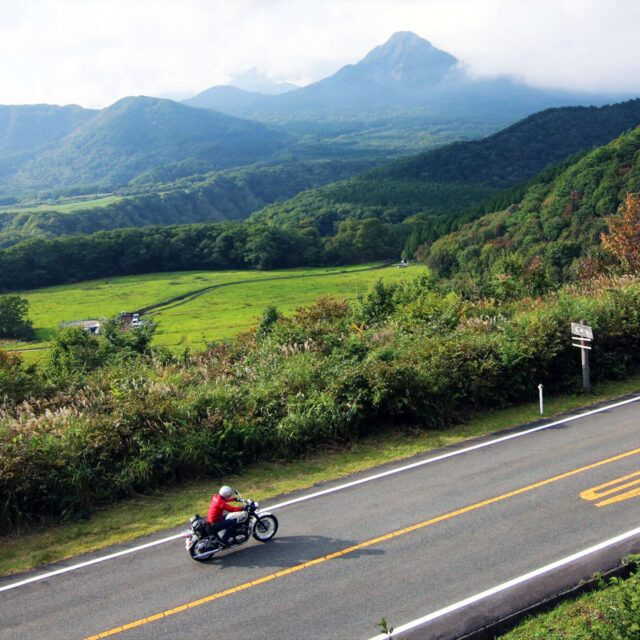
(612,613)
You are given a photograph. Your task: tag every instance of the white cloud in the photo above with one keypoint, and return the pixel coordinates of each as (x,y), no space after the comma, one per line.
(96,51)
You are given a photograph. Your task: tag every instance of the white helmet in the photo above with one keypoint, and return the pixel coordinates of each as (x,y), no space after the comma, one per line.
(226,492)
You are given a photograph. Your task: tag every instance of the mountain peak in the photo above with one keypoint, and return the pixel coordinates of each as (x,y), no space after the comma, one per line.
(404,39)
(407,58)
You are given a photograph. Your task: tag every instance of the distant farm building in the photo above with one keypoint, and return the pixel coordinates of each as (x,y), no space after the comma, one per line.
(92,326)
(130,320)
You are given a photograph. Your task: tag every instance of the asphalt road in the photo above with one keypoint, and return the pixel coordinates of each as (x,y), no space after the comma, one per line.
(402,546)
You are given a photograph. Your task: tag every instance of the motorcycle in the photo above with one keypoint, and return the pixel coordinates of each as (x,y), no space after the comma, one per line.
(203,544)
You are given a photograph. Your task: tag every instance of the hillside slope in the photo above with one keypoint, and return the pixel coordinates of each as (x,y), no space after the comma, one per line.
(225,195)
(542,238)
(556,224)
(135,135)
(28,127)
(445,184)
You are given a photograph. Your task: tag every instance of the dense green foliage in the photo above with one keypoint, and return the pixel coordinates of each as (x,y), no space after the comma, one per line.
(207,246)
(14,320)
(392,200)
(552,230)
(102,421)
(520,151)
(76,351)
(531,245)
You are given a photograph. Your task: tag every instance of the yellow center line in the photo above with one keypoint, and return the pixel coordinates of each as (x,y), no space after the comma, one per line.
(362,545)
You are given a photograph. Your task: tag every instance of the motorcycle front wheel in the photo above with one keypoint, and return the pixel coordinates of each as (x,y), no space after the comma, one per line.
(265,528)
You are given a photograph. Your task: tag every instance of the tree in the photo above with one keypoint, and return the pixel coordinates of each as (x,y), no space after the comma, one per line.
(378,303)
(623,239)
(372,239)
(74,350)
(262,249)
(136,340)
(270,316)
(17,380)
(14,322)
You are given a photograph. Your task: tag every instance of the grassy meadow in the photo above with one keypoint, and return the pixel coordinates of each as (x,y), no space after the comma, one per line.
(63,205)
(234,305)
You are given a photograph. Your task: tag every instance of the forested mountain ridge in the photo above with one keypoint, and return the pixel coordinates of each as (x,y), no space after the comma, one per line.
(137,134)
(452,182)
(519,151)
(552,229)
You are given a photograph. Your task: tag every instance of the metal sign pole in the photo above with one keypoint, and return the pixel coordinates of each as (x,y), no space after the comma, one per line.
(586,374)
(584,334)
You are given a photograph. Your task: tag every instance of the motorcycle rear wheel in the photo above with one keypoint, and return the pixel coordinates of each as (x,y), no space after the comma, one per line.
(265,528)
(198,549)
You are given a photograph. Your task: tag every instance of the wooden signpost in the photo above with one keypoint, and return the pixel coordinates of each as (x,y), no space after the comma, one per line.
(581,334)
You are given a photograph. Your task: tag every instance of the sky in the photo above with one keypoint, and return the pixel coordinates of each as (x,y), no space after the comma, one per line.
(94,52)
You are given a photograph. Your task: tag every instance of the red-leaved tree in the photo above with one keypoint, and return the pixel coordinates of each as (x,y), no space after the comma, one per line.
(623,239)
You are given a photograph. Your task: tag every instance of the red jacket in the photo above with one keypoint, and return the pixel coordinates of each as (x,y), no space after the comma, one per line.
(217,507)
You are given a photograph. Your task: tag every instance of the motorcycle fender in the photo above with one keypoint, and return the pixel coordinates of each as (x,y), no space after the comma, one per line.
(189,542)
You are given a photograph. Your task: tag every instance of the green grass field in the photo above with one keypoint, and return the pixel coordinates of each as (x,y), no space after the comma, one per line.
(216,314)
(63,205)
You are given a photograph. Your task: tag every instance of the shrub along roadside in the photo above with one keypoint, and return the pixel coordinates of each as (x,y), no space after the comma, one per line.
(327,375)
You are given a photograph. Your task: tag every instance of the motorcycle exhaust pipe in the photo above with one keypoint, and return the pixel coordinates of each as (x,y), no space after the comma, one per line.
(205,556)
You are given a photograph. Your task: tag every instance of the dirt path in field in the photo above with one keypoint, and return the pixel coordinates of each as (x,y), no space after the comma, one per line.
(188,297)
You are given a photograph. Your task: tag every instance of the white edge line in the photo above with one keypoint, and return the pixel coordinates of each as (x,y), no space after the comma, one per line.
(88,563)
(451,454)
(506,585)
(324,492)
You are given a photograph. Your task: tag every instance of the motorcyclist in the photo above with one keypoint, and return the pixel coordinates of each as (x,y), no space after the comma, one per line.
(216,516)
